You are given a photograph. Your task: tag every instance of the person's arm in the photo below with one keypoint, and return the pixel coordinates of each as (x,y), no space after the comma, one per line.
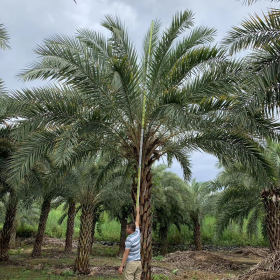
(125,255)
(137,220)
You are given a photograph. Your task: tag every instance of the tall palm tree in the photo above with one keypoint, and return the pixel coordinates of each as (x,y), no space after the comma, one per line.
(247,196)
(89,178)
(192,103)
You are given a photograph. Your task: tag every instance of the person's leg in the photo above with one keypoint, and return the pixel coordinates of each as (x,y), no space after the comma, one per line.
(130,270)
(138,271)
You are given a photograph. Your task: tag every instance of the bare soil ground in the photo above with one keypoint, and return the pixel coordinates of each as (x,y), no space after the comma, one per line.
(204,265)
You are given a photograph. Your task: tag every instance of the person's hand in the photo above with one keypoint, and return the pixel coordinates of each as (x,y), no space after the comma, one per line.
(121,269)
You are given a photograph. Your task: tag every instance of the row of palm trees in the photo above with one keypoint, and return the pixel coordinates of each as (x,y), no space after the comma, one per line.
(197,98)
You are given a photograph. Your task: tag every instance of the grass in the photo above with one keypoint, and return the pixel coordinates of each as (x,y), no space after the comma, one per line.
(54,265)
(12,273)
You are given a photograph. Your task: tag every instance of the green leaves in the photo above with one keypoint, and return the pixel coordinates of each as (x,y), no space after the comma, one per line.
(254,33)
(180,22)
(34,148)
(261,76)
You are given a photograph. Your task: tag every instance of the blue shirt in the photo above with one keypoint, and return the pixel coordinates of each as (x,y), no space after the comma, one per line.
(133,243)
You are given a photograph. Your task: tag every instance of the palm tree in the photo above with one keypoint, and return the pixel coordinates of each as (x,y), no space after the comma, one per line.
(253,197)
(7,147)
(199,202)
(70,210)
(45,181)
(238,200)
(89,177)
(169,207)
(192,103)
(71,214)
(116,200)
(27,214)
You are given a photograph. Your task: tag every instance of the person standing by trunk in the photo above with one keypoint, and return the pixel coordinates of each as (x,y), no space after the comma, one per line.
(131,257)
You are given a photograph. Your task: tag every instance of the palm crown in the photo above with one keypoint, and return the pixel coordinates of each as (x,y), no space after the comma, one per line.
(187,83)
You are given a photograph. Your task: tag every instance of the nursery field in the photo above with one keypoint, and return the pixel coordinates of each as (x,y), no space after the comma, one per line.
(54,264)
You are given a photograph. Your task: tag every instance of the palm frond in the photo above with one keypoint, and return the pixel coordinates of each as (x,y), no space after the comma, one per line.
(4,38)
(180,22)
(254,33)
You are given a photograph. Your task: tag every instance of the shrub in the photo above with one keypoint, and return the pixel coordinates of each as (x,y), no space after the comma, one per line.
(26,231)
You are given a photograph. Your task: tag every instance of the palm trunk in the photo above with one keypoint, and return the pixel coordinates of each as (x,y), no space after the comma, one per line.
(13,234)
(8,227)
(271,200)
(145,219)
(45,210)
(197,234)
(70,227)
(82,259)
(122,236)
(92,233)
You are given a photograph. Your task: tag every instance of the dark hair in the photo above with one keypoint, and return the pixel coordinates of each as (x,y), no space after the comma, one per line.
(131,226)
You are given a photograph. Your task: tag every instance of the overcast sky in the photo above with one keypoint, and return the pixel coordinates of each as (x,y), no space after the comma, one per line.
(30,22)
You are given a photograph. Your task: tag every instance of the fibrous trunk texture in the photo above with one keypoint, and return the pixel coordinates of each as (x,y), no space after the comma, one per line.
(197,234)
(94,221)
(13,235)
(8,227)
(45,210)
(271,201)
(70,227)
(145,219)
(82,259)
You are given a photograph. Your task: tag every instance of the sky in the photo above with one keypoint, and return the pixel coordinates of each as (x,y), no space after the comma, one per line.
(30,22)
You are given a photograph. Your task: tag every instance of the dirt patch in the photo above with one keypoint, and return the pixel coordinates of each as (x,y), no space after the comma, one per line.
(161,270)
(103,270)
(50,242)
(201,260)
(56,242)
(201,275)
(113,270)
